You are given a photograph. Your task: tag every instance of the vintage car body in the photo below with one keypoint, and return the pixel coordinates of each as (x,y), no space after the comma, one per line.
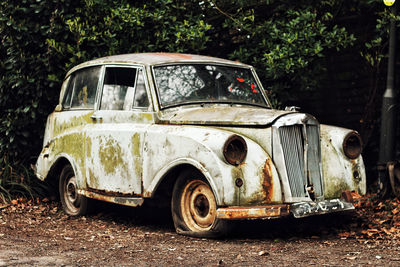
(217,160)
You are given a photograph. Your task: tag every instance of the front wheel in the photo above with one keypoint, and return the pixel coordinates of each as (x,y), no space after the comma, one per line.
(194,208)
(73,203)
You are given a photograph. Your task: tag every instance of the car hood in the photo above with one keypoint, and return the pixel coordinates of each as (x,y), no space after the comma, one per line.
(222,115)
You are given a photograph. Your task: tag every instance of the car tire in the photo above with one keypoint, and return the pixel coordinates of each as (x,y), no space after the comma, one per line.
(194,208)
(73,203)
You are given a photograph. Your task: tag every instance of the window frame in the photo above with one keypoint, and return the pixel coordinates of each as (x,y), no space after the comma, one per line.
(265,99)
(68,91)
(132,107)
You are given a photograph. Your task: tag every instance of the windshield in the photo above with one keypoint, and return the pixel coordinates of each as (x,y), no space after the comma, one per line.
(205,83)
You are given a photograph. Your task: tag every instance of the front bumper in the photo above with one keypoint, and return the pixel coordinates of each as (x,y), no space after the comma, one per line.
(297,210)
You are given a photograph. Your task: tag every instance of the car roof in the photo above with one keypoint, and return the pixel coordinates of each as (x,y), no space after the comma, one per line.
(149,59)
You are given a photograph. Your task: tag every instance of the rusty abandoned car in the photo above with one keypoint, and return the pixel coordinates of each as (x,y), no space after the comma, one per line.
(198,132)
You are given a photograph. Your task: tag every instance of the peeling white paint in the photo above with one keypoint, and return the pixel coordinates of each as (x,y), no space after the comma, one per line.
(128,152)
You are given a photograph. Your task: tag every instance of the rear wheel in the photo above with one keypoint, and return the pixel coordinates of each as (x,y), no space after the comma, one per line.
(194,208)
(72,202)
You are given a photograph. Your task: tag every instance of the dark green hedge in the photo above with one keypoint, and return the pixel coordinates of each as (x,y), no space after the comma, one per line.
(41,39)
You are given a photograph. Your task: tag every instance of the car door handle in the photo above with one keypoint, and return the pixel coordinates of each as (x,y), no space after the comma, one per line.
(96,117)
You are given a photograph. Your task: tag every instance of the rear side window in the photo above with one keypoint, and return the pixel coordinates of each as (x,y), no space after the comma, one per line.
(141,100)
(82,87)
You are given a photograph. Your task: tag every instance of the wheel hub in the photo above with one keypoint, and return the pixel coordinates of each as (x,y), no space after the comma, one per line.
(202,205)
(198,206)
(71,191)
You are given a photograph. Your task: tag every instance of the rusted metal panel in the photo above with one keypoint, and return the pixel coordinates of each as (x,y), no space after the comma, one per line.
(154,59)
(340,172)
(114,154)
(122,200)
(221,115)
(127,153)
(267,184)
(305,209)
(256,212)
(199,147)
(291,156)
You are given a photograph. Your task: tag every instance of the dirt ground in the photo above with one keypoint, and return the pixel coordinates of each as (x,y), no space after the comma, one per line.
(37,233)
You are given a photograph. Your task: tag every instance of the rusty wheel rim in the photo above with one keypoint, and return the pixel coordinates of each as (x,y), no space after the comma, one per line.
(71,196)
(198,206)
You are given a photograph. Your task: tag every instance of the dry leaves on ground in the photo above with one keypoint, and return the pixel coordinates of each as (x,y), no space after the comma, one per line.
(378,219)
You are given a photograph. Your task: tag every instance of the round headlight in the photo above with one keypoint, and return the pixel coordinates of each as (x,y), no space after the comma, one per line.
(352,145)
(235,150)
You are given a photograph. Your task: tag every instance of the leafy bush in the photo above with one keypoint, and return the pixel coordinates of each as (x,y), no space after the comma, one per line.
(286,41)
(14,182)
(41,39)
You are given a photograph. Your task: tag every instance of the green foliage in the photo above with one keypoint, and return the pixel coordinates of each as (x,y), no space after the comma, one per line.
(377,43)
(286,40)
(13,182)
(40,40)
(99,28)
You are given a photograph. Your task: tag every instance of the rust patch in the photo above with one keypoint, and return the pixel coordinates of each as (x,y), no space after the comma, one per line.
(111,193)
(235,150)
(346,195)
(122,200)
(146,193)
(256,212)
(174,55)
(267,185)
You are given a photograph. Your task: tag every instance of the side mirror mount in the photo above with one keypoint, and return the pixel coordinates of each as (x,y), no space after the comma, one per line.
(292,108)
(58,108)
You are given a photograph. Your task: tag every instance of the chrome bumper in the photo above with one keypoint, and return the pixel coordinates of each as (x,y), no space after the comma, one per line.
(304,209)
(297,210)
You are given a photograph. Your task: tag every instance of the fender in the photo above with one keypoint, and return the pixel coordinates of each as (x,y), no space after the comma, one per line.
(340,172)
(167,147)
(53,163)
(181,161)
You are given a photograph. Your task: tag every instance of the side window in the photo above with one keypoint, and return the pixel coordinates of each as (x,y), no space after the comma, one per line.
(81,90)
(68,93)
(118,88)
(64,91)
(141,99)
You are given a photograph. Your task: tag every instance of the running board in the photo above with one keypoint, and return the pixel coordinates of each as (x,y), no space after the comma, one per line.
(127,201)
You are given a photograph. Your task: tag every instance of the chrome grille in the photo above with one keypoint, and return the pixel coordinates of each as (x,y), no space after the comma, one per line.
(302,168)
(313,158)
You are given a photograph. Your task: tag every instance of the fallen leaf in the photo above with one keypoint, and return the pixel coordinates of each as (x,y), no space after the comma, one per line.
(3,206)
(263,253)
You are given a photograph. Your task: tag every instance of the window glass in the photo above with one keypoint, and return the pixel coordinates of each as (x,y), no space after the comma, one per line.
(64,91)
(84,85)
(68,93)
(118,88)
(201,83)
(141,99)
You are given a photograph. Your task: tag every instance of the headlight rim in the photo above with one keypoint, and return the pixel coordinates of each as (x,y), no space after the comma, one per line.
(242,156)
(348,150)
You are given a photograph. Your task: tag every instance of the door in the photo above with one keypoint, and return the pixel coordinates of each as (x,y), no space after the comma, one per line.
(115,143)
